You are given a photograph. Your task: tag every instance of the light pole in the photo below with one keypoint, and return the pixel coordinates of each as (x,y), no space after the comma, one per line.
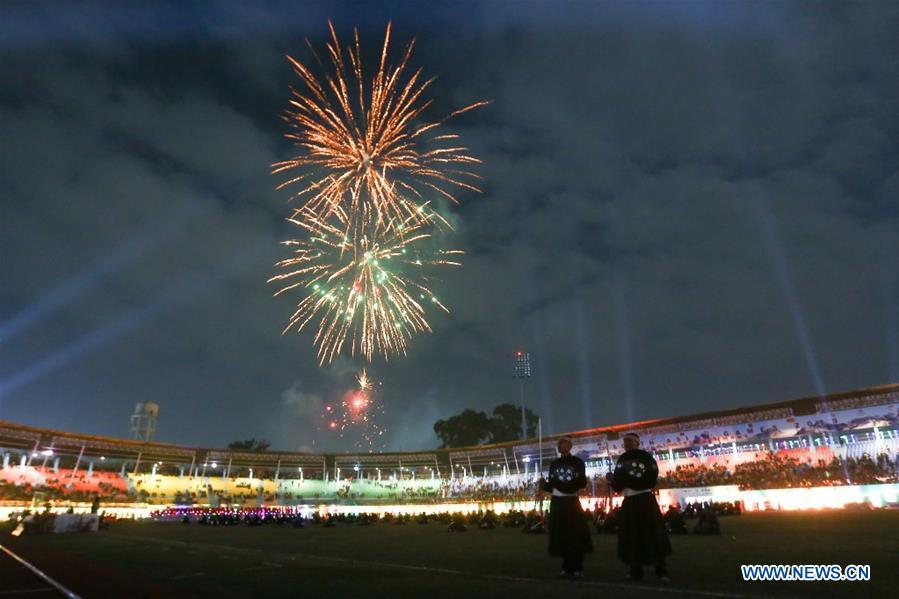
(522,372)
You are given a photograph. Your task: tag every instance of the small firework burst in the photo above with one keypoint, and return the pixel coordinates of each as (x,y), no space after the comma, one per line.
(357,415)
(363,380)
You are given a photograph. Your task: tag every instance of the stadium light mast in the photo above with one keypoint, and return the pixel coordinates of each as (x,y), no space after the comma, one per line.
(522,372)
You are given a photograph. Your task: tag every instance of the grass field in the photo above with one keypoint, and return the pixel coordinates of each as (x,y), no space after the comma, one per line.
(147,559)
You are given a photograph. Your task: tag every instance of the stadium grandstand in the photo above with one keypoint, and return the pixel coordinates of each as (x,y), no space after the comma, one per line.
(810,452)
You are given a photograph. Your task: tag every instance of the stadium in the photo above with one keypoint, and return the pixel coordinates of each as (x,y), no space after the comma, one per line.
(834,455)
(809,453)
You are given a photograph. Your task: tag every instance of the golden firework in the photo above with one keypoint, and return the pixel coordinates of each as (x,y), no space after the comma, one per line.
(368,165)
(366,155)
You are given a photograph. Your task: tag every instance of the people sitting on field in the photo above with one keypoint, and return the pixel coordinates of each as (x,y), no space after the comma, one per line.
(607,522)
(674,521)
(488,521)
(708,523)
(457,525)
(534,524)
(513,519)
(720,508)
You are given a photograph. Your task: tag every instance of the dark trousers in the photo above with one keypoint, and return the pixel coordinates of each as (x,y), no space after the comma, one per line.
(637,569)
(573,562)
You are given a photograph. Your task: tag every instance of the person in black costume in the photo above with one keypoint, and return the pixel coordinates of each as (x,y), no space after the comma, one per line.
(642,537)
(569,533)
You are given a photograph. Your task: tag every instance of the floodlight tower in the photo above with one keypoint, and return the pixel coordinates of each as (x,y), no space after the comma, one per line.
(522,372)
(143,421)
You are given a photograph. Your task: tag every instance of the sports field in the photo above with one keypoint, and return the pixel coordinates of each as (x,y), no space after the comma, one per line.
(147,559)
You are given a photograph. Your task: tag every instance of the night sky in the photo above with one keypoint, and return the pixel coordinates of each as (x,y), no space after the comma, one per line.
(686,206)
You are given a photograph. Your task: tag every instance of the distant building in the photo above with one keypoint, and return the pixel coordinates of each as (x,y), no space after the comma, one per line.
(143,421)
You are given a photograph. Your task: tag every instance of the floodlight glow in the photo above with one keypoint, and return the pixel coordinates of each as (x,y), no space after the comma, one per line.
(110,263)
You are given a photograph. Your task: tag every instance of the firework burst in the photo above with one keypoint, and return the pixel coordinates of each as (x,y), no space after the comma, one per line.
(357,414)
(369,291)
(365,154)
(368,164)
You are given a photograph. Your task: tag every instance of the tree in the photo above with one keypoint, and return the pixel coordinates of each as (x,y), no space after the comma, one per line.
(473,428)
(467,428)
(252,445)
(505,425)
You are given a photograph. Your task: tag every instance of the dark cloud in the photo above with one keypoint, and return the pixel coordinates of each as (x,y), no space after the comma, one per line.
(686,206)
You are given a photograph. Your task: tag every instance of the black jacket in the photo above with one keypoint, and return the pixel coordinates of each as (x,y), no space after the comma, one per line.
(567,474)
(636,469)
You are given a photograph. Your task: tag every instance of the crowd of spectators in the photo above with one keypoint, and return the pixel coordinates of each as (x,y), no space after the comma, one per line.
(776,471)
(769,470)
(510,488)
(26,491)
(392,489)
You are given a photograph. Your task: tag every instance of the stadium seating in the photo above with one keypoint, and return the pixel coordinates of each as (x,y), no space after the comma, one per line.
(799,466)
(22,475)
(61,484)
